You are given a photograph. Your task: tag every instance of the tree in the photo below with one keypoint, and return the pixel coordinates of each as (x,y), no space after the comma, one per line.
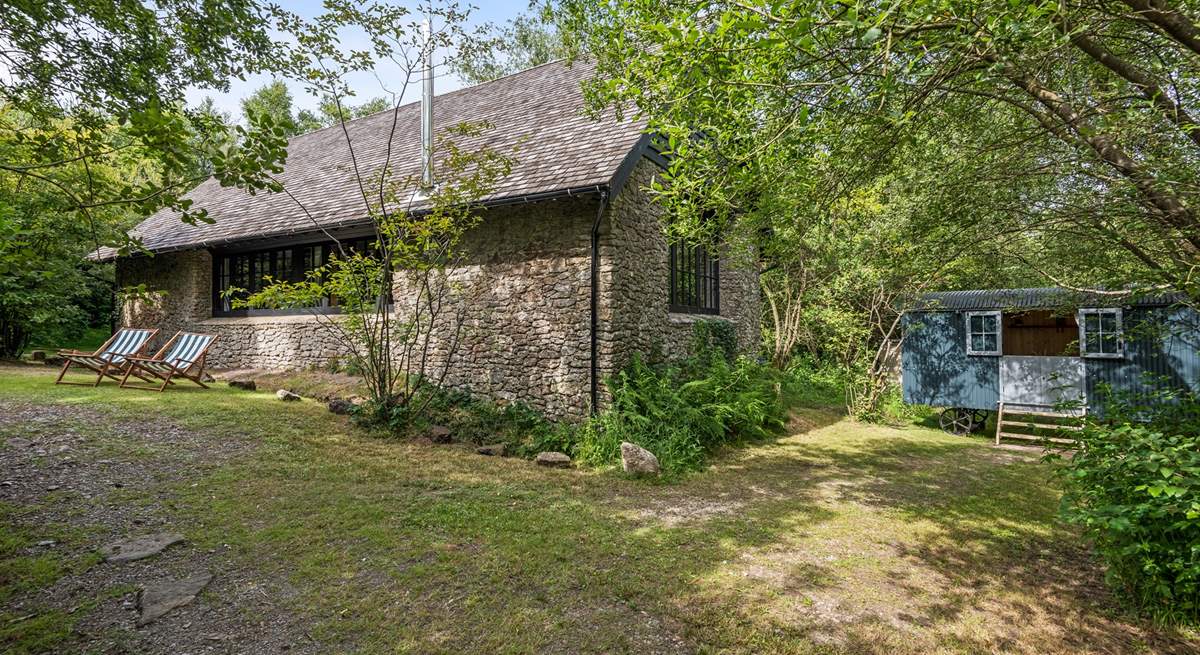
(413,252)
(76,67)
(1069,123)
(524,42)
(275,100)
(47,290)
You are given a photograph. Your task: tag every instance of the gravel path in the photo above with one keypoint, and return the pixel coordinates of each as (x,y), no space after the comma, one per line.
(82,479)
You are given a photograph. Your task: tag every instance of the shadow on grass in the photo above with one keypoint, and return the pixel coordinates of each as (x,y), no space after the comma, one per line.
(984,567)
(839,538)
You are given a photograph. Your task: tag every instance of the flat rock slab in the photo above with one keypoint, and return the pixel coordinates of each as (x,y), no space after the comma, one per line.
(158,599)
(140,548)
(553,459)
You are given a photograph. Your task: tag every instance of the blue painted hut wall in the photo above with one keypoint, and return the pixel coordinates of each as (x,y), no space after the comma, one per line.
(936,369)
(1160,342)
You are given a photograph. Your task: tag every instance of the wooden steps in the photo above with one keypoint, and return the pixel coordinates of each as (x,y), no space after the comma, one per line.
(1009,422)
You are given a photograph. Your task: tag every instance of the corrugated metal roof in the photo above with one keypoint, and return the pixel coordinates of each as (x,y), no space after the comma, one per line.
(537,117)
(1034,298)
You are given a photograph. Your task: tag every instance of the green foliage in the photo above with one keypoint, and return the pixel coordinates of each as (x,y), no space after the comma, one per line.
(275,100)
(523,431)
(715,335)
(813,384)
(1052,136)
(683,412)
(524,42)
(1135,490)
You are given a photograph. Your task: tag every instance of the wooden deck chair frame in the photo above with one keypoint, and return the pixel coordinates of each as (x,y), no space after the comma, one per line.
(105,367)
(191,370)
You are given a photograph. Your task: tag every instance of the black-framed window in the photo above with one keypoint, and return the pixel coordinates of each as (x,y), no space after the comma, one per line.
(249,271)
(695,280)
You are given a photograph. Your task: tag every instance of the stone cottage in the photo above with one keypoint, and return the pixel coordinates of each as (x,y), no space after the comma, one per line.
(573,271)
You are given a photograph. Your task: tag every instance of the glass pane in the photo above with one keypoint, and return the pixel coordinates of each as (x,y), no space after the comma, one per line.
(989,323)
(1108,323)
(1091,322)
(1109,343)
(990,342)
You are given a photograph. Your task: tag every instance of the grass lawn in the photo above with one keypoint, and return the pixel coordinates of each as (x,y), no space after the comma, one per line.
(840,538)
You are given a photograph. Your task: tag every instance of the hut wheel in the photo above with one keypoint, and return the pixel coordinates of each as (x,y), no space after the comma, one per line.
(957,420)
(979,418)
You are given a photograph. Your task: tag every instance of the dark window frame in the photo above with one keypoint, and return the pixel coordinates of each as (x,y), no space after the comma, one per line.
(244,269)
(694,285)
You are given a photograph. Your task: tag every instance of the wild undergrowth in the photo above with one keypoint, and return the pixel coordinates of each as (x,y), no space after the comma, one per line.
(1134,487)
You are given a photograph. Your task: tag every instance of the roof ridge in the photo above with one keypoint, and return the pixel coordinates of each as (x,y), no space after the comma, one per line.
(415,102)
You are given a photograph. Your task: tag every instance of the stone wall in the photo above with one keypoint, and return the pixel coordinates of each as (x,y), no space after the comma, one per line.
(181,299)
(523,289)
(635,279)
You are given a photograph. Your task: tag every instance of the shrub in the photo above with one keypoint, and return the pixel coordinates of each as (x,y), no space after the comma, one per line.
(814,384)
(1135,490)
(523,430)
(682,412)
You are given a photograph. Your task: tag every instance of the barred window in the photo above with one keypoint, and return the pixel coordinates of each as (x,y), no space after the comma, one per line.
(695,278)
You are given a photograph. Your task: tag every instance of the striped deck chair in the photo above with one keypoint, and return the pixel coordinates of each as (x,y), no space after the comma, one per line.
(110,359)
(182,356)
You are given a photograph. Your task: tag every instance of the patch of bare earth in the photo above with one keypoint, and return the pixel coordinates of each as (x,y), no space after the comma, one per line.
(80,472)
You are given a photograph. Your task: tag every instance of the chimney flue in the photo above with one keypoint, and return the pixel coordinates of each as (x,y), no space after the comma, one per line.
(427,110)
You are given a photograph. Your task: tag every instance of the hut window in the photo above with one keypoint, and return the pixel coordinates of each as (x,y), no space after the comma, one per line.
(1100,332)
(695,278)
(983,333)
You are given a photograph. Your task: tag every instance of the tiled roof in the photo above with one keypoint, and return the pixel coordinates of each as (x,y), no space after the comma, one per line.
(537,118)
(1035,298)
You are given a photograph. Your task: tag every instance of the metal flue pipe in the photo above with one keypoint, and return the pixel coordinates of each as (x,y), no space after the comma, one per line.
(427,110)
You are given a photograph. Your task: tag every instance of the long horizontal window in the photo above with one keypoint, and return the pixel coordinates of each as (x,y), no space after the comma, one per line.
(695,279)
(251,272)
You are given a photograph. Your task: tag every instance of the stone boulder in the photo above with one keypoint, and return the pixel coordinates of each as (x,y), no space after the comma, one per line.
(287,396)
(38,355)
(247,385)
(440,434)
(340,406)
(493,450)
(636,460)
(553,459)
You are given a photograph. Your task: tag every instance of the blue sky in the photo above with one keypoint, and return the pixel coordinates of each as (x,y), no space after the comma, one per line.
(365,85)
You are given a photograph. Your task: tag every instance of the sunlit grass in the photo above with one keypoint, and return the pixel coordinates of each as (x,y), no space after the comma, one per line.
(841,538)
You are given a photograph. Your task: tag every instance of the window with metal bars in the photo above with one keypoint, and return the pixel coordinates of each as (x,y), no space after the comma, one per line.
(695,278)
(249,272)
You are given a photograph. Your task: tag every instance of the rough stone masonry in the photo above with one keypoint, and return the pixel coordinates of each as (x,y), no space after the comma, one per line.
(525,285)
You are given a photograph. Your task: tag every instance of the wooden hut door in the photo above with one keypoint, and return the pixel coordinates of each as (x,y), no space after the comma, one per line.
(1041,382)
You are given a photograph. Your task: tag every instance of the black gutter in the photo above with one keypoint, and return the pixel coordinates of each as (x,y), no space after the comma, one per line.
(358,223)
(595,326)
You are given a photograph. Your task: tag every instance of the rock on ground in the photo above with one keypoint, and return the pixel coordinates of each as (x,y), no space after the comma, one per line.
(553,459)
(637,460)
(494,450)
(140,547)
(248,385)
(287,396)
(440,434)
(340,406)
(158,599)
